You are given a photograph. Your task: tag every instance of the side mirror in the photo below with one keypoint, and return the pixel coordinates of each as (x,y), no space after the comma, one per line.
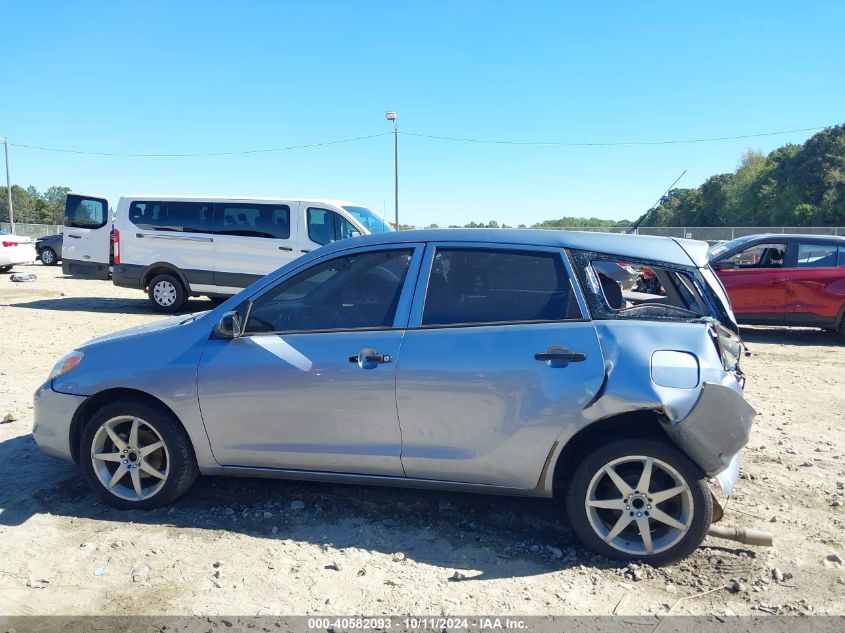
(725,264)
(229,325)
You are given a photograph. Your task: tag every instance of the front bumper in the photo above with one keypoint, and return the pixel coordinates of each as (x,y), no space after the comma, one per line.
(53,413)
(716,428)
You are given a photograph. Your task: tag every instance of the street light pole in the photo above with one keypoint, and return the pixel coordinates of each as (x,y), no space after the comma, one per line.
(9,186)
(391,116)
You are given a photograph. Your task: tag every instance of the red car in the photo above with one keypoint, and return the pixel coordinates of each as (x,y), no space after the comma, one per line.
(774,279)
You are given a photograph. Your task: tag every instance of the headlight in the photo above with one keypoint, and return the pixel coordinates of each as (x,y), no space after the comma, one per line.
(65,364)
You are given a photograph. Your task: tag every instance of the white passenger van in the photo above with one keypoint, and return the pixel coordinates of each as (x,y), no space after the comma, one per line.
(174,247)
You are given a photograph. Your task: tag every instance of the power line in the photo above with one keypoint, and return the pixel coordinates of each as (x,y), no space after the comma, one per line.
(200,154)
(420,135)
(610,143)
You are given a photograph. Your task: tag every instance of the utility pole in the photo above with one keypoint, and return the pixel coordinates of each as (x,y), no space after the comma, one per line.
(391,116)
(9,186)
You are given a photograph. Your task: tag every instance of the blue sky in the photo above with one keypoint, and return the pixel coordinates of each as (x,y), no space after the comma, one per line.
(182,77)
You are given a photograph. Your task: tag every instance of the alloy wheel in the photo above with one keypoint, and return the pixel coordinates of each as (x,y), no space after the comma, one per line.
(130,458)
(639,505)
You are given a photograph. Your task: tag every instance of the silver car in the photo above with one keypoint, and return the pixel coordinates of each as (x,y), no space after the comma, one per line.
(493,361)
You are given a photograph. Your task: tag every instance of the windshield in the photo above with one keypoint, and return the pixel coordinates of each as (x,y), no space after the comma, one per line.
(372,222)
(717,249)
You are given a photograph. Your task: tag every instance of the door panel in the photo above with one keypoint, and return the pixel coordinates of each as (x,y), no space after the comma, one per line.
(253,239)
(758,292)
(86,237)
(296,401)
(816,285)
(175,232)
(312,385)
(475,406)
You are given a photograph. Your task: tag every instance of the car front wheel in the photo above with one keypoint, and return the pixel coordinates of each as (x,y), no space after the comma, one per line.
(639,499)
(136,456)
(48,257)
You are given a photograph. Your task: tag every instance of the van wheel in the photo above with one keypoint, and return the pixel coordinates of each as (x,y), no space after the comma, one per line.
(639,499)
(167,293)
(136,456)
(48,257)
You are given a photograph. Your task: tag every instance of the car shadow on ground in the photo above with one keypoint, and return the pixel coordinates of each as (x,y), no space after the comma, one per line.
(789,336)
(110,305)
(498,536)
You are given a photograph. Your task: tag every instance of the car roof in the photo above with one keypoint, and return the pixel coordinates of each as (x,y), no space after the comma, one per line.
(666,249)
(808,237)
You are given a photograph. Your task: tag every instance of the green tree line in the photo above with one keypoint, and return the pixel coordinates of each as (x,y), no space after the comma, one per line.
(32,206)
(795,185)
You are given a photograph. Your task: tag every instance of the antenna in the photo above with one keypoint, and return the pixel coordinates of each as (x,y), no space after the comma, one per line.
(636,224)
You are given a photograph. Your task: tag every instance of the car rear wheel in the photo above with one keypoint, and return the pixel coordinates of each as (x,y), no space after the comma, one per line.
(639,499)
(48,257)
(135,456)
(167,293)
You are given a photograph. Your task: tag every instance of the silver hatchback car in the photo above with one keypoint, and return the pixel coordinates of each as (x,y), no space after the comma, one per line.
(494,361)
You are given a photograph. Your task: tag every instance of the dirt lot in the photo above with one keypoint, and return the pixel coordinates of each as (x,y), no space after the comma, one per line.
(241,546)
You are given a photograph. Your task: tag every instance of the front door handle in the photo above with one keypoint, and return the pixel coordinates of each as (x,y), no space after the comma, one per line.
(370,358)
(285,248)
(560,355)
(74,235)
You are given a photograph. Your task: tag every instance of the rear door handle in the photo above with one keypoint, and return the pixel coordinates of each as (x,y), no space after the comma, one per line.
(285,248)
(560,356)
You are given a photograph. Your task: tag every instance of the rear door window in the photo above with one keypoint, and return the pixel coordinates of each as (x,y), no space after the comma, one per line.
(85,213)
(172,216)
(252,220)
(325,227)
(472,286)
(817,255)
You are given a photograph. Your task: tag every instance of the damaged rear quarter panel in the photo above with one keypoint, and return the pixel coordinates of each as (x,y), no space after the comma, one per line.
(710,424)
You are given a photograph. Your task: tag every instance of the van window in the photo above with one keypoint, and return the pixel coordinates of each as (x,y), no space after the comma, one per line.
(489,286)
(325,227)
(252,220)
(171,215)
(85,213)
(371,221)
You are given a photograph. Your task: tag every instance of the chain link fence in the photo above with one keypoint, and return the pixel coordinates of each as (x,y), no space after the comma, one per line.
(31,230)
(707,233)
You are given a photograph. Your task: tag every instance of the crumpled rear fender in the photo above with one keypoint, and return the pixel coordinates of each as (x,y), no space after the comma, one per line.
(707,417)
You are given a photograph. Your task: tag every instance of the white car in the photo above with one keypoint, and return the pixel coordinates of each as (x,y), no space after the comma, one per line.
(179,246)
(15,249)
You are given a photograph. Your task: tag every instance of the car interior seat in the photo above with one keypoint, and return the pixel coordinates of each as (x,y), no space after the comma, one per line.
(612,292)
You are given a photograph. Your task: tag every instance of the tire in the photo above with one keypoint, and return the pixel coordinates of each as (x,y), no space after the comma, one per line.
(175,459)
(48,257)
(5,269)
(166,293)
(690,509)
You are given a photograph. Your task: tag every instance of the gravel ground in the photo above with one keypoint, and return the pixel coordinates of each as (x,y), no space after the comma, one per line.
(249,546)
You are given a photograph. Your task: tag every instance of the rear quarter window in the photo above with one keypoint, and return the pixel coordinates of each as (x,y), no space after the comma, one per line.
(628,289)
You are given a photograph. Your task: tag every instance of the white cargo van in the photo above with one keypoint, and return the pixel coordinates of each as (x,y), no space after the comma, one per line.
(174,247)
